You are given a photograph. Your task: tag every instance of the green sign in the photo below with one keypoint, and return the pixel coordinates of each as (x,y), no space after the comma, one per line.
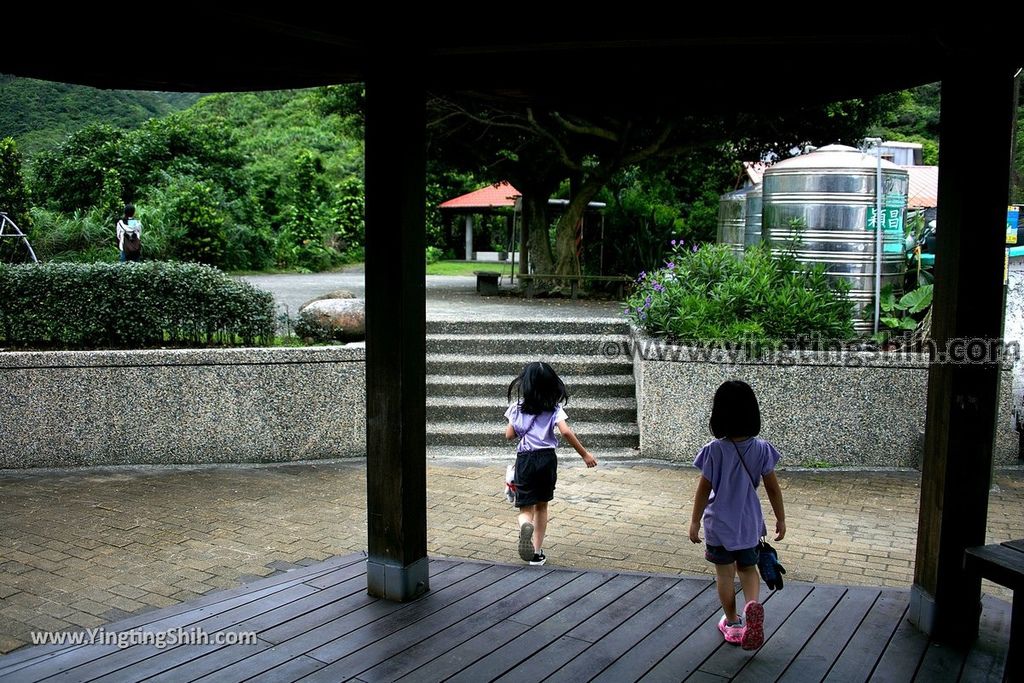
(892,218)
(894,200)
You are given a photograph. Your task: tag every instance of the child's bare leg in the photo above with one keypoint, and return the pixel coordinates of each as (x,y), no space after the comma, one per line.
(526,530)
(540,525)
(751,582)
(725,575)
(526,514)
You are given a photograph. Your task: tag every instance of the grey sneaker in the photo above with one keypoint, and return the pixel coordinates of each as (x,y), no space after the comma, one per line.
(538,559)
(526,542)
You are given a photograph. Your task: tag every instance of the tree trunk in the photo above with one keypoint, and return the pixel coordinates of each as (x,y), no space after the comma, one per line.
(568,262)
(536,226)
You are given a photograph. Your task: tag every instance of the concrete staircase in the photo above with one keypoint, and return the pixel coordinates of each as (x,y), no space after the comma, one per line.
(471,363)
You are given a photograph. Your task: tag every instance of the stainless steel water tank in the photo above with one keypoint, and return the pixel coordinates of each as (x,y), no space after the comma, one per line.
(732,219)
(826,199)
(752,236)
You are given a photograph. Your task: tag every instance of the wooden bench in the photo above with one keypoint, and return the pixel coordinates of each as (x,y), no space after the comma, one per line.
(575,281)
(1003,563)
(487,282)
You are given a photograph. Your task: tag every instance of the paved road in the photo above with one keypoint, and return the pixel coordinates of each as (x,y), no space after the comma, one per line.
(448,297)
(292,290)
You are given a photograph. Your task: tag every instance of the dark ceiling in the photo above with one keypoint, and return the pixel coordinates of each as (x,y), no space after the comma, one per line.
(200,49)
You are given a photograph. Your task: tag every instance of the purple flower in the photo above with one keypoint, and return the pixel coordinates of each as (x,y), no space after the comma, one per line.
(627,311)
(648,300)
(643,274)
(695,249)
(643,316)
(670,265)
(658,287)
(673,243)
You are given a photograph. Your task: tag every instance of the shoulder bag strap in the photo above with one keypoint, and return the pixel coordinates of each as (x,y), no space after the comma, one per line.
(743,462)
(523,434)
(749,475)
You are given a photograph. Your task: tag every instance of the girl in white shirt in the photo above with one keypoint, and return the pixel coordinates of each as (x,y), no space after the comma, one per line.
(124,226)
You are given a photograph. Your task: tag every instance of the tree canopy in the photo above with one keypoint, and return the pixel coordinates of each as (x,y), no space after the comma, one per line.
(274,179)
(536,149)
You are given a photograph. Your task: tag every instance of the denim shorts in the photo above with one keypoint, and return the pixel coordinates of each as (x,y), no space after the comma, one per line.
(717,554)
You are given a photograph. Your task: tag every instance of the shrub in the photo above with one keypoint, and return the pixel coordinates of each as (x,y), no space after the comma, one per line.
(708,294)
(901,319)
(130,305)
(196,213)
(14,197)
(75,236)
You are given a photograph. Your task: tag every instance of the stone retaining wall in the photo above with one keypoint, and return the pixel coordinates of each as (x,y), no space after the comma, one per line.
(60,409)
(844,408)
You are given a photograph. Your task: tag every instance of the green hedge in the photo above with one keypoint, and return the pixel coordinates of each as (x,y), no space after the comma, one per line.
(706,293)
(129,305)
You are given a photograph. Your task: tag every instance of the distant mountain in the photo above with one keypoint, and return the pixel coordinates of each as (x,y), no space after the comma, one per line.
(40,114)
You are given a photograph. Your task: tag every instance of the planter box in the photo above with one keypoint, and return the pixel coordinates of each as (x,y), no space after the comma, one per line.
(818,409)
(181,406)
(495,256)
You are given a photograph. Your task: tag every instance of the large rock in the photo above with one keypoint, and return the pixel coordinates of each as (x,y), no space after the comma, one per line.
(333,320)
(336,294)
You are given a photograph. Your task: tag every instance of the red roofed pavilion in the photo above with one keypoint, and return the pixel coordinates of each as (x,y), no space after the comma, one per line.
(493,196)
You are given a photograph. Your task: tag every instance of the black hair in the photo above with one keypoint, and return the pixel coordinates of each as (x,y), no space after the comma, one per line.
(539,388)
(735,411)
(129,210)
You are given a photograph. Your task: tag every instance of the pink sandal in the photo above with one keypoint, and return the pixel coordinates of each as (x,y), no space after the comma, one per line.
(732,633)
(753,626)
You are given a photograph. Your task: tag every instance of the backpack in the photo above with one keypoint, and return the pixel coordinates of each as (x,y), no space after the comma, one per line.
(132,244)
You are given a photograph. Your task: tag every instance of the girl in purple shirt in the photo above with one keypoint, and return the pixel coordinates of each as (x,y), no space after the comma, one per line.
(731,468)
(533,418)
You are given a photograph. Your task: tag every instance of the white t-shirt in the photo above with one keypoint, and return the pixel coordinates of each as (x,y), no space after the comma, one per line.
(132,225)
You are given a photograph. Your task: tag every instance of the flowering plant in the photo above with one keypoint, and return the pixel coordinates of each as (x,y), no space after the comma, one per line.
(707,293)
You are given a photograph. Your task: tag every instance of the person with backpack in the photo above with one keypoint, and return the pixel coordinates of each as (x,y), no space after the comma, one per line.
(129,233)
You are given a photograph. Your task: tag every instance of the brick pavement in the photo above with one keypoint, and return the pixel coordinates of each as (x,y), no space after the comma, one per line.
(84,547)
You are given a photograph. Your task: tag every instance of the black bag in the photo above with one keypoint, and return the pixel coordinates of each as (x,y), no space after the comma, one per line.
(768,565)
(132,245)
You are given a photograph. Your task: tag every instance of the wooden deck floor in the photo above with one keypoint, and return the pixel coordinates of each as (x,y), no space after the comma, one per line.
(484,622)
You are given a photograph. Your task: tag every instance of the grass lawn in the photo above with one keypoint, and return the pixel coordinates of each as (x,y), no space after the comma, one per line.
(464,267)
(439,268)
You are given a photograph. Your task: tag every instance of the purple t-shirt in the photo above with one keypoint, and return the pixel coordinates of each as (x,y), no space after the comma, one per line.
(733,516)
(536,431)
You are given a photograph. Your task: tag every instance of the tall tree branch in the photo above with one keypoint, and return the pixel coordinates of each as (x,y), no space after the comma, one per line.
(594,131)
(458,111)
(563,153)
(651,149)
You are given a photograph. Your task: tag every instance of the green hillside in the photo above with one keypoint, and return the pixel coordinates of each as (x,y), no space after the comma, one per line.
(914,119)
(40,114)
(239,180)
(274,128)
